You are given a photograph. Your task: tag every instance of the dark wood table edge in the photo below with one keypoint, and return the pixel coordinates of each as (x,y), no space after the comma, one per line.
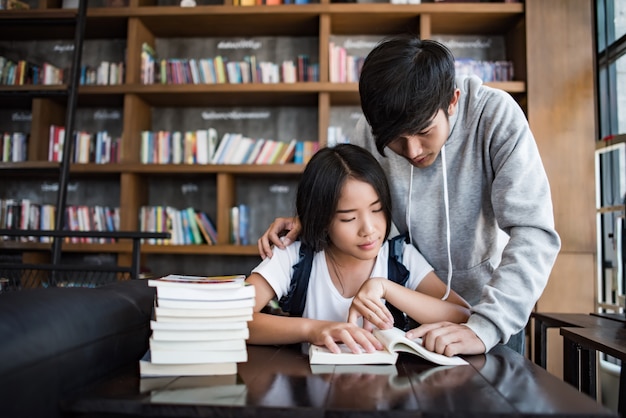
(580,364)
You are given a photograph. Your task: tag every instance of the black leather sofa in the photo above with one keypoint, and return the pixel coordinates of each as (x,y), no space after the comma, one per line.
(57,341)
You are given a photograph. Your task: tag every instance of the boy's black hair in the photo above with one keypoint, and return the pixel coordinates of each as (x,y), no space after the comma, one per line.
(403,84)
(320,188)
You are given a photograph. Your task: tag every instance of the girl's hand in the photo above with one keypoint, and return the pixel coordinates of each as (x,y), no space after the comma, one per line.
(368,303)
(331,334)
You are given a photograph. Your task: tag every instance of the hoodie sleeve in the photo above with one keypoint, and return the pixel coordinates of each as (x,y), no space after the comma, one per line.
(522,205)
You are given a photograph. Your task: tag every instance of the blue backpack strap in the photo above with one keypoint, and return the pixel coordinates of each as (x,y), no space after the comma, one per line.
(293,302)
(398,273)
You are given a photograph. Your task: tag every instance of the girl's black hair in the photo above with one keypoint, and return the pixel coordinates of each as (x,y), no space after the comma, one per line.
(321,184)
(403,84)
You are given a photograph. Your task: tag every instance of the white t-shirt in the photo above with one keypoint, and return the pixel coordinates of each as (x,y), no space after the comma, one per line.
(323,300)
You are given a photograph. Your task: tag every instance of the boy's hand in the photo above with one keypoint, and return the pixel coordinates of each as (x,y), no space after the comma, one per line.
(368,303)
(272,235)
(448,338)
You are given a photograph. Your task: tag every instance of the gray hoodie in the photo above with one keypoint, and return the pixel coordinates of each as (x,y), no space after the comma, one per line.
(495,182)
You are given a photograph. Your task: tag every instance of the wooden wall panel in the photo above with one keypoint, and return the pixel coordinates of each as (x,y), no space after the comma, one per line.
(561,111)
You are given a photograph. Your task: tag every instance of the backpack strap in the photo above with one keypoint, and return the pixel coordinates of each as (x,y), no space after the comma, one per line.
(398,273)
(293,302)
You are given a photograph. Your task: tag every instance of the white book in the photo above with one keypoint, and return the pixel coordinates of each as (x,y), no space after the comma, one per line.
(177,147)
(220,148)
(258,144)
(231,149)
(234,344)
(234,281)
(205,304)
(394,341)
(197,326)
(241,292)
(149,369)
(198,356)
(200,313)
(226,334)
(230,318)
(202,146)
(243,147)
(212,143)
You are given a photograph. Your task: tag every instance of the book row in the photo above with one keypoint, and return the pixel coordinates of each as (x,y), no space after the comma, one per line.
(487,71)
(220,70)
(202,147)
(22,73)
(268,2)
(91,218)
(186,226)
(105,74)
(14,147)
(239,224)
(344,68)
(23,214)
(98,147)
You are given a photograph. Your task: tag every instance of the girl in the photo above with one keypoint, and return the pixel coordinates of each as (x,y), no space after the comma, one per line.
(344,206)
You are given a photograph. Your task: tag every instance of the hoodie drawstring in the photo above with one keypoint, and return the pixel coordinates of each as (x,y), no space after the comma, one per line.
(447,209)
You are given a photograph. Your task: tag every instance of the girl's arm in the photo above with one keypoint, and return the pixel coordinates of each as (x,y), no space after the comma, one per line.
(275,329)
(423,304)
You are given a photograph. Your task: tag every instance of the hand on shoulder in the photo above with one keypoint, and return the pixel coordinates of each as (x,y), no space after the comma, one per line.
(273,235)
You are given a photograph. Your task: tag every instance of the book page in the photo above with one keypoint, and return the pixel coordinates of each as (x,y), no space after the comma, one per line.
(394,339)
(322,355)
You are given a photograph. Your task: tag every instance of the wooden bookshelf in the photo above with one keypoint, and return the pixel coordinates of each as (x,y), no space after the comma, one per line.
(144,21)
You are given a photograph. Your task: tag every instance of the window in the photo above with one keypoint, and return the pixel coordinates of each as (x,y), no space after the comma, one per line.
(611,65)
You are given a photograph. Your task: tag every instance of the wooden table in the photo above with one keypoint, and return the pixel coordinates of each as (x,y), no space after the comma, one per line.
(580,370)
(278,382)
(545,320)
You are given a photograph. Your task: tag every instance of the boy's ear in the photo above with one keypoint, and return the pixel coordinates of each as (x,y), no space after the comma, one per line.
(454,102)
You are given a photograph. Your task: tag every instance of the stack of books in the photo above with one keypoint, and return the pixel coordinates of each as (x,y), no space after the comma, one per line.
(200,326)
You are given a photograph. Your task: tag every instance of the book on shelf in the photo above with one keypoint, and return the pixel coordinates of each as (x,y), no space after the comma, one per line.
(394,341)
(206,223)
(288,154)
(254,152)
(221,147)
(149,369)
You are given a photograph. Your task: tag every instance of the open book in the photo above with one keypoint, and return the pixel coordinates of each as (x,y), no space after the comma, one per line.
(394,341)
